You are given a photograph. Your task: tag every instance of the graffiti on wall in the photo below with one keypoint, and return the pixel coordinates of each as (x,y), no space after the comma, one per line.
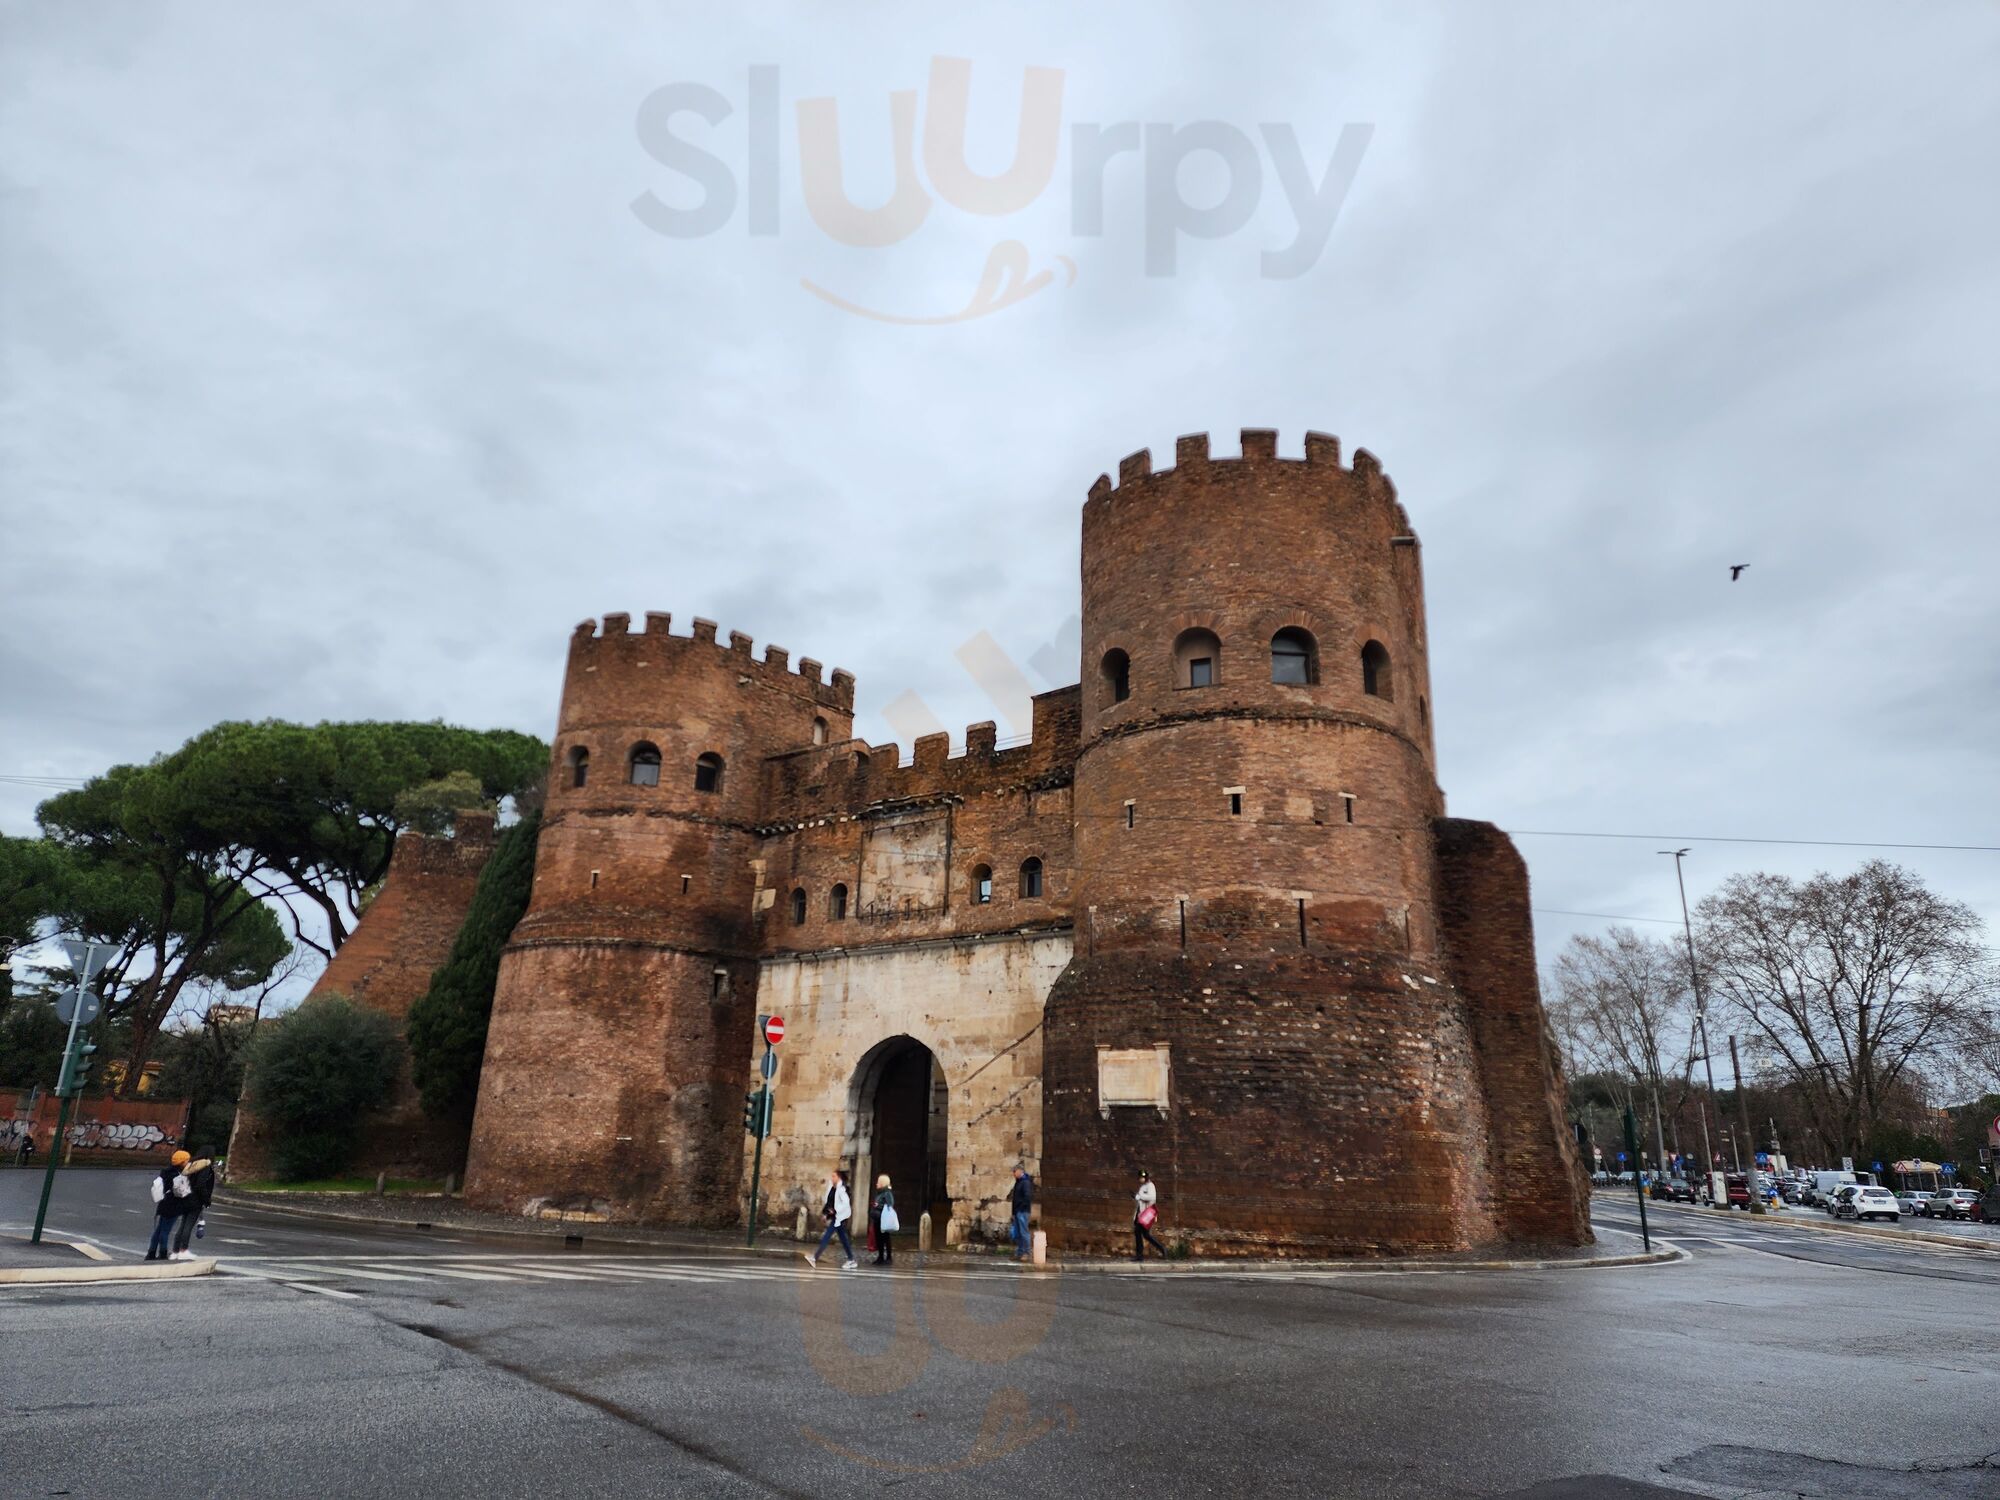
(96,1135)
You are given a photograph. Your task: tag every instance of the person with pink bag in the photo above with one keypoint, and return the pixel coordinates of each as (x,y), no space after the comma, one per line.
(1145,1211)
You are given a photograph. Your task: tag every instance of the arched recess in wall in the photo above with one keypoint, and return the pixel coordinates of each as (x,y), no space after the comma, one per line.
(798,906)
(982,884)
(579,766)
(836,903)
(643,768)
(1197,659)
(819,731)
(1377,679)
(708,772)
(1031,878)
(1294,657)
(898,1122)
(1114,675)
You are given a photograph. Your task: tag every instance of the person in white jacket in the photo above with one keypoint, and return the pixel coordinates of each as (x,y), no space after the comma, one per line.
(1144,1211)
(170,1196)
(837,1210)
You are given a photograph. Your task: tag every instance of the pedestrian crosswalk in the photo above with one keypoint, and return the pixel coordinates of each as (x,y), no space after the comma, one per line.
(414,1272)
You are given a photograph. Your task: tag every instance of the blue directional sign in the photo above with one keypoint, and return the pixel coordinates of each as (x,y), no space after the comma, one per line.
(1878,1166)
(1621,1156)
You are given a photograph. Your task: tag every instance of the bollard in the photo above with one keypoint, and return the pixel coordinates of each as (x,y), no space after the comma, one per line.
(799,1227)
(1041,1247)
(450,1183)
(381,1182)
(923,1233)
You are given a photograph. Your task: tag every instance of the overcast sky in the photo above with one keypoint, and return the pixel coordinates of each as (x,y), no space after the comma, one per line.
(339,378)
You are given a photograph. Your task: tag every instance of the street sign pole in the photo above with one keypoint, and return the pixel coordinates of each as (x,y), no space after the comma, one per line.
(772,1029)
(85,960)
(1638,1178)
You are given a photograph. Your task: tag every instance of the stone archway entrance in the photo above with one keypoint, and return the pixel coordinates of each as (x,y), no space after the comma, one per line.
(898,1122)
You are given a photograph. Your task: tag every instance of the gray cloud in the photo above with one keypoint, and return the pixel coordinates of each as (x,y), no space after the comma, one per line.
(337,378)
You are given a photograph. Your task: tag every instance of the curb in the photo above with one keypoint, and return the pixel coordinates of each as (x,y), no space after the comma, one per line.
(606,1233)
(1276,1268)
(172,1270)
(1824,1225)
(790,1248)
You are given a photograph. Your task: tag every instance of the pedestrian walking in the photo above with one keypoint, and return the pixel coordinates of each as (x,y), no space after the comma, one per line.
(201,1189)
(1145,1213)
(837,1210)
(1021,1200)
(883,1220)
(27,1150)
(170,1192)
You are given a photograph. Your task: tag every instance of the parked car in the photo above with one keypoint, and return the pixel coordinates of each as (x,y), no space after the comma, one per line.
(1832,1201)
(1954,1203)
(1672,1189)
(1860,1203)
(1913,1203)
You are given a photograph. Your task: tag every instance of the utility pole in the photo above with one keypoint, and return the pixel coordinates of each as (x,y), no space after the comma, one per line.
(1721,1200)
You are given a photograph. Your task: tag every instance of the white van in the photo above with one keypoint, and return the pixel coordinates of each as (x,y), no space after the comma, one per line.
(1826,1184)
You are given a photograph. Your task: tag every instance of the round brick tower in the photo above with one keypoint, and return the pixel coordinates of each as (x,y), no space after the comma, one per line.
(625,1003)
(1260,1011)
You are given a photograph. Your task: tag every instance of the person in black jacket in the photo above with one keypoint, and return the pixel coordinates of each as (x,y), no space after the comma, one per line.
(201,1188)
(170,1192)
(1022,1199)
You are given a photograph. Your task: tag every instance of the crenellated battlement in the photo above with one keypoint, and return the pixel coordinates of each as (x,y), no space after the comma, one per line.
(614,634)
(845,780)
(1258,446)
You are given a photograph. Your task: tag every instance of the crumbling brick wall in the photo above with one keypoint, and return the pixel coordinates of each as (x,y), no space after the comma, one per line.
(386,964)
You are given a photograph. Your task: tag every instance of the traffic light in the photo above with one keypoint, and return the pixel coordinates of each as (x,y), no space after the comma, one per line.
(756,1117)
(76,1069)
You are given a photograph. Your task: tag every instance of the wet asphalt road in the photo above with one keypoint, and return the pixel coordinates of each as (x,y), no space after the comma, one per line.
(339,1360)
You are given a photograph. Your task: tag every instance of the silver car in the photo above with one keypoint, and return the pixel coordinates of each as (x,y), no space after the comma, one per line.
(1913,1203)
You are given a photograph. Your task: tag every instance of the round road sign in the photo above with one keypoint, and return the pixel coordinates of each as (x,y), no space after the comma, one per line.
(66,1007)
(774,1030)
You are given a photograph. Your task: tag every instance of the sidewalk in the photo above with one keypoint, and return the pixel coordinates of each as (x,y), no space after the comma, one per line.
(55,1261)
(439,1212)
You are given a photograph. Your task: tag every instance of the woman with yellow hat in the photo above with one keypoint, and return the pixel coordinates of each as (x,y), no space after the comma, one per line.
(170,1195)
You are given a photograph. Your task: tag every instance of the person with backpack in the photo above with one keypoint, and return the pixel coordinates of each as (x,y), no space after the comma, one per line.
(883,1222)
(1145,1213)
(171,1192)
(201,1189)
(837,1210)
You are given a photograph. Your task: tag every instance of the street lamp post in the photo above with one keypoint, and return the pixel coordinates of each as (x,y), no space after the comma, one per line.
(1721,1200)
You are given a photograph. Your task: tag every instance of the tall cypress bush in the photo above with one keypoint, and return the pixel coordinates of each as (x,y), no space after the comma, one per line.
(447,1024)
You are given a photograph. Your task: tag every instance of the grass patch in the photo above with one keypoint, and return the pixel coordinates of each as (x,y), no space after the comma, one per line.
(344,1185)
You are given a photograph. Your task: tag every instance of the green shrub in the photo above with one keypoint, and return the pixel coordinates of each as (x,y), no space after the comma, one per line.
(447,1025)
(314,1074)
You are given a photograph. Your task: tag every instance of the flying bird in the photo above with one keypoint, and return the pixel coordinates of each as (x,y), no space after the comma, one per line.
(1736,571)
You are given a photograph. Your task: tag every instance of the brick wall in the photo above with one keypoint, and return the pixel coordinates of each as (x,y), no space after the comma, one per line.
(1537,1188)
(386,964)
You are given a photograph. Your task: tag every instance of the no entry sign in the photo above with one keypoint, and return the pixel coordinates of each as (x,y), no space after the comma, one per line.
(774,1030)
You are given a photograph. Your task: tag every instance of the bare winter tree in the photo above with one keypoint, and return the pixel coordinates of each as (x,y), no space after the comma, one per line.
(1621,1005)
(1855,984)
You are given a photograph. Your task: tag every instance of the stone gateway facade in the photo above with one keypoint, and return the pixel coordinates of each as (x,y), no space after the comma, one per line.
(1210,921)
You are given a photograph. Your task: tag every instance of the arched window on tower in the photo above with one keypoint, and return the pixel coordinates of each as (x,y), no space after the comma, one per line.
(819,731)
(1116,674)
(836,903)
(645,766)
(1294,657)
(1197,659)
(708,773)
(1375,676)
(982,885)
(799,906)
(1031,878)
(579,766)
